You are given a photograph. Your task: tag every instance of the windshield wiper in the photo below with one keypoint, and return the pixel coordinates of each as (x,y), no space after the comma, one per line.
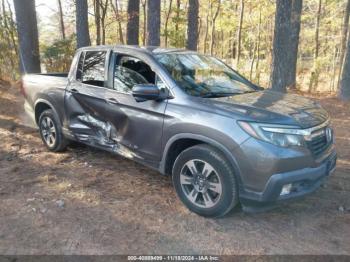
(219,94)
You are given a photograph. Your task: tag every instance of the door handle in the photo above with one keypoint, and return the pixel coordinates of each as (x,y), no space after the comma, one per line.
(73,90)
(112,101)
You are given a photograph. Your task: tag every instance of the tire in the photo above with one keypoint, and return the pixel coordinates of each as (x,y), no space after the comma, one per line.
(209,194)
(51,131)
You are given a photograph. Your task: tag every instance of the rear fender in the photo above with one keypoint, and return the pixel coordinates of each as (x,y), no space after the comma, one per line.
(49,104)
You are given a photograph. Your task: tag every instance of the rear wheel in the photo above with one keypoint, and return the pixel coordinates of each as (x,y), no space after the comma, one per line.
(51,131)
(205,181)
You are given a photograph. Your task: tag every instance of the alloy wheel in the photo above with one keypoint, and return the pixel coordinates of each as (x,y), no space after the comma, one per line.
(48,131)
(201,183)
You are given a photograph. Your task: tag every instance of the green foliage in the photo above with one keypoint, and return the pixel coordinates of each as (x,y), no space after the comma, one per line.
(9,67)
(177,28)
(256,37)
(58,56)
(177,24)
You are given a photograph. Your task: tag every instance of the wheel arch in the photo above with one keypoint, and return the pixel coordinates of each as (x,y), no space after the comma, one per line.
(186,140)
(40,106)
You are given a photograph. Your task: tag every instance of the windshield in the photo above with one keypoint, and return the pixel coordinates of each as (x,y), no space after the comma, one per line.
(206,76)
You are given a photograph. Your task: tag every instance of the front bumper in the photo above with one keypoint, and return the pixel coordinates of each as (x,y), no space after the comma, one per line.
(304,181)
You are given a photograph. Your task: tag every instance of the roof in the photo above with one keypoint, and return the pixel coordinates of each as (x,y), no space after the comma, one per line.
(143,49)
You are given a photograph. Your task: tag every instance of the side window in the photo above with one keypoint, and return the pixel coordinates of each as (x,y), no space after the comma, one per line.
(130,71)
(93,72)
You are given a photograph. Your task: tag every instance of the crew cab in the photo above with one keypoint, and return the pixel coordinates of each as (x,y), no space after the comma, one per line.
(221,138)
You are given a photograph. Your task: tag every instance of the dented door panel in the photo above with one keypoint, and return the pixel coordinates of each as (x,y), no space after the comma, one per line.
(138,126)
(85,107)
(91,122)
(114,121)
(85,102)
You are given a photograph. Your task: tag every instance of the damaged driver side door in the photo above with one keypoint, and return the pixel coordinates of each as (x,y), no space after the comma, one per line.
(138,126)
(102,112)
(85,100)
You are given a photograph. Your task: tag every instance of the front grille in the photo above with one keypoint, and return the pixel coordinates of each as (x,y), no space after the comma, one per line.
(319,143)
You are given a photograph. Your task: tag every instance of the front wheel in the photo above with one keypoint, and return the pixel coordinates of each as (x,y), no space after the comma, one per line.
(205,181)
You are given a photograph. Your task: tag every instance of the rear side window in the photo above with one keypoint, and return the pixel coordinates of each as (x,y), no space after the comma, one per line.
(92,70)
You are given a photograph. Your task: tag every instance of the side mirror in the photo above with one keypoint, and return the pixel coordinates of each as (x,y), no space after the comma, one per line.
(144,92)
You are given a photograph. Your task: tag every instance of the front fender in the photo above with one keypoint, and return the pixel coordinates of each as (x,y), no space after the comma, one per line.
(227,153)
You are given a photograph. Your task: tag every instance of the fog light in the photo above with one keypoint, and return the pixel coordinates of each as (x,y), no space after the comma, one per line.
(286,189)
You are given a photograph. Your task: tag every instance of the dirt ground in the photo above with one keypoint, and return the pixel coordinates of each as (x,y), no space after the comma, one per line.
(86,201)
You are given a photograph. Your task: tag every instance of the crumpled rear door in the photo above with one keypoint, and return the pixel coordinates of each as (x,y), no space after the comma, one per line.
(85,100)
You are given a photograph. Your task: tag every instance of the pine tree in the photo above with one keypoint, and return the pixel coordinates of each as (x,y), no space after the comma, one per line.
(192,27)
(279,75)
(28,36)
(295,22)
(344,93)
(153,22)
(82,23)
(133,22)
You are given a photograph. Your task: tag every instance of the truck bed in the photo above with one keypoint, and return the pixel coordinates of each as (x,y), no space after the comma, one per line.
(45,81)
(36,86)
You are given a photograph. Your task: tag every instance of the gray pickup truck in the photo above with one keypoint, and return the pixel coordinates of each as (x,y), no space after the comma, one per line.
(223,139)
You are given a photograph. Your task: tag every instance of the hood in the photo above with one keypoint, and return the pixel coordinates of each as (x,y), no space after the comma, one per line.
(273,107)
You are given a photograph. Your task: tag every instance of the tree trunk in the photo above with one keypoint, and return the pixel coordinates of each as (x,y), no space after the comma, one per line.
(206,33)
(199,30)
(117,17)
(144,7)
(334,69)
(82,23)
(144,22)
(239,33)
(317,30)
(280,50)
(97,21)
(315,71)
(192,27)
(213,28)
(257,73)
(166,23)
(153,22)
(233,47)
(252,62)
(297,6)
(344,92)
(343,38)
(132,31)
(104,8)
(28,36)
(177,11)
(63,33)
(177,40)
(222,37)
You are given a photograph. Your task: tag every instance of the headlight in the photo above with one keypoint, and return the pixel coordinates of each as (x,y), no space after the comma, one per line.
(284,136)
